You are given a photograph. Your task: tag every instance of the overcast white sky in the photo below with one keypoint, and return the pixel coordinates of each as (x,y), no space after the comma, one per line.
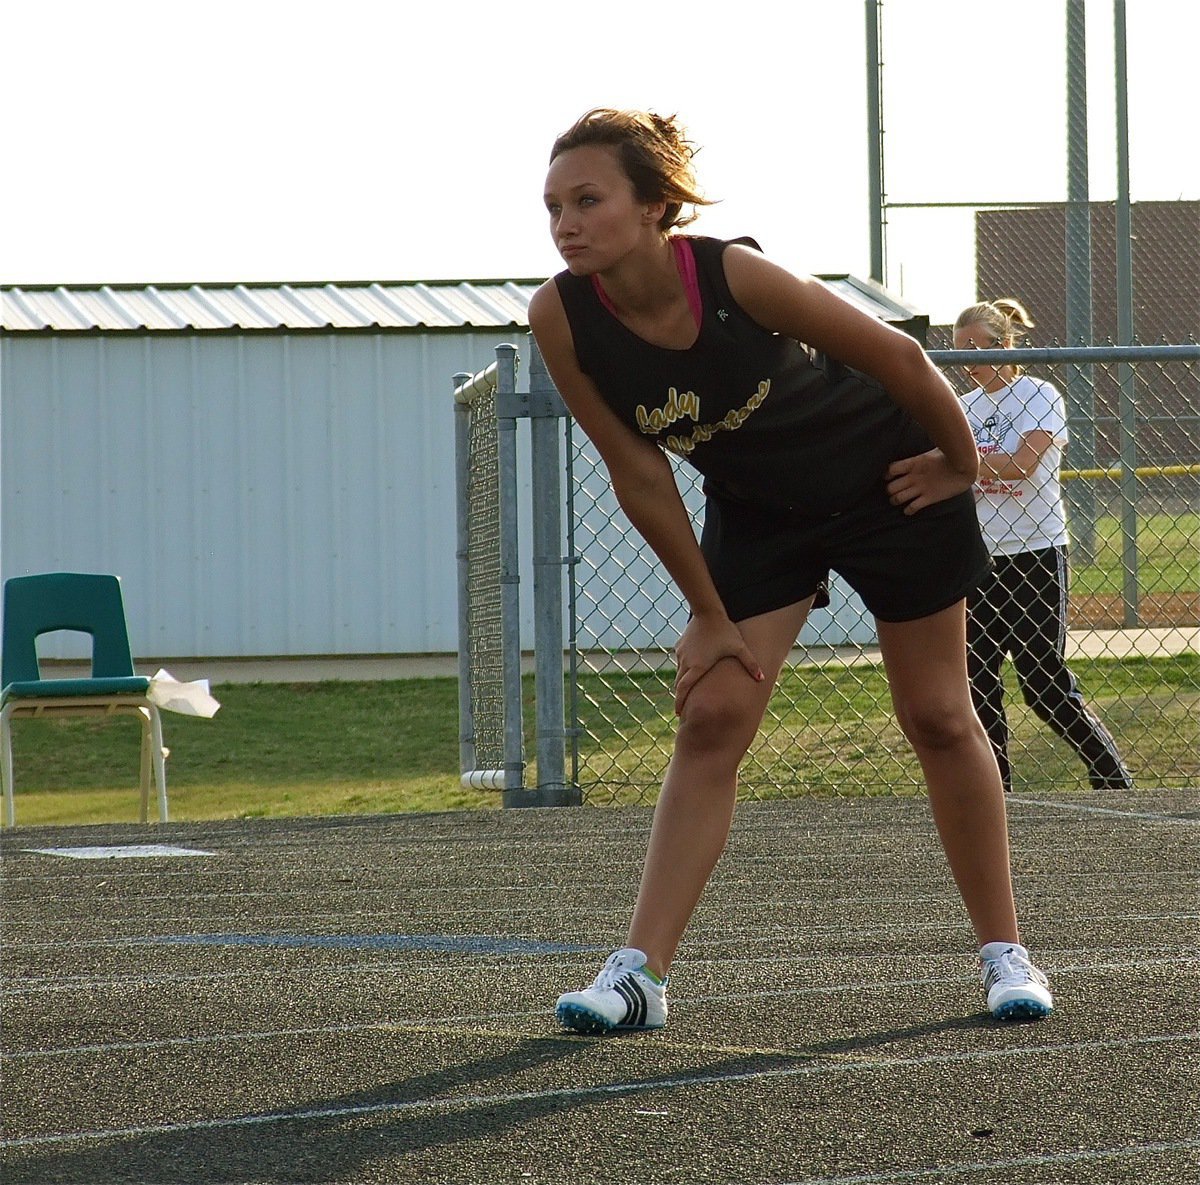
(154,141)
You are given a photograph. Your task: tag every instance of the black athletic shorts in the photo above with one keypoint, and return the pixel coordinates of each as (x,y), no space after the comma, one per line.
(902,566)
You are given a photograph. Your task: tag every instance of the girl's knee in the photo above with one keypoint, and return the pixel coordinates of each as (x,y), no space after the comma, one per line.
(937,726)
(714,721)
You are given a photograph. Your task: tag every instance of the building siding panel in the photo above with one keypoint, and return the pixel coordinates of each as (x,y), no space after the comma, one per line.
(258,495)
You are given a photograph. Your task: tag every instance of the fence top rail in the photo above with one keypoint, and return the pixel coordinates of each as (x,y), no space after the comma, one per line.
(1019,357)
(483,383)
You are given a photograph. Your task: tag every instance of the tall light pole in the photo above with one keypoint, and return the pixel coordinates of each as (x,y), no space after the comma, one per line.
(875,139)
(1080,388)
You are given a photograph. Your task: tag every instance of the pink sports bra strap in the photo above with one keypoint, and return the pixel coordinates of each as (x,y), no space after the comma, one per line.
(608,304)
(685,261)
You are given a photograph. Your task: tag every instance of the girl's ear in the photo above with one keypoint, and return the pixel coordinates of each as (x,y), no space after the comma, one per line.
(652,212)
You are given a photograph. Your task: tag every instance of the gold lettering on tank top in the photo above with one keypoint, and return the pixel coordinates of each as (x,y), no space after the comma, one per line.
(676,407)
(731,422)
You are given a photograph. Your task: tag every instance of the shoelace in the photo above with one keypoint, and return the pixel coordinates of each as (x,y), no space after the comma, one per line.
(1015,967)
(612,970)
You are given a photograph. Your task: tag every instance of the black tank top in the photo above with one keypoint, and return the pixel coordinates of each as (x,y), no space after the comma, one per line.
(750,409)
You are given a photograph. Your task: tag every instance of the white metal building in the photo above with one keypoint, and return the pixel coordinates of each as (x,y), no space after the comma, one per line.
(269,468)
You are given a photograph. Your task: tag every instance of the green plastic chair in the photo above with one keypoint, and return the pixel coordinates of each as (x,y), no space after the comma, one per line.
(91,604)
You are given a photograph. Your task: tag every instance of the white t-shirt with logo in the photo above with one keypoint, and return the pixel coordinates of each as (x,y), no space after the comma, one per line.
(1026,515)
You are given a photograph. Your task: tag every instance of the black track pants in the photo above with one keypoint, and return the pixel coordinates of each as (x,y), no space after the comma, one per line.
(1020,610)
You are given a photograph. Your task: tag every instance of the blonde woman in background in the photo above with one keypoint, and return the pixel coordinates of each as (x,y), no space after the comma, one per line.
(1020,607)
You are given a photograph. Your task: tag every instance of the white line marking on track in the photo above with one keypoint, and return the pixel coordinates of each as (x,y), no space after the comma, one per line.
(993,1167)
(1050,958)
(832,1065)
(1083,808)
(710,937)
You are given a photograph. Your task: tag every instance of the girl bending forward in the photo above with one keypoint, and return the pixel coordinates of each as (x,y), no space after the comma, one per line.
(851,455)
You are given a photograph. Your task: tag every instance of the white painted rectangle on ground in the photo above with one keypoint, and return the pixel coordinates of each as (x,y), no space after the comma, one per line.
(121,852)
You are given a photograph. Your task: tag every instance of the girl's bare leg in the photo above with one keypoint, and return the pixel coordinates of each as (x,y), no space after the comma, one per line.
(927,673)
(695,809)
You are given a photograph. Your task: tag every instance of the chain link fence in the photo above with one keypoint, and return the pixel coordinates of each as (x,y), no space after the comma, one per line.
(1134,612)
(987,192)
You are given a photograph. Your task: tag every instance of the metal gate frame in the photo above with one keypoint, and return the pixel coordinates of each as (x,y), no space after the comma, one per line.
(543,407)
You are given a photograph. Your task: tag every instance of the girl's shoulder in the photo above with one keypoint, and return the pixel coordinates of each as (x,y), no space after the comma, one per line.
(709,253)
(709,256)
(1036,396)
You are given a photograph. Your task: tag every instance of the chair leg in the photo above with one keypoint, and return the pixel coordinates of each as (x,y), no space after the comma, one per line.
(147,741)
(158,755)
(6,765)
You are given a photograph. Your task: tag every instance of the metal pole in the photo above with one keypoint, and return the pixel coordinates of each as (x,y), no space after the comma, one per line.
(1080,389)
(1125,331)
(875,138)
(510,584)
(546,475)
(462,467)
(571,563)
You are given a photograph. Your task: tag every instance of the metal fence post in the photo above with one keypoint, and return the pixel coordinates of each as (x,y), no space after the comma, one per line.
(1080,392)
(515,793)
(545,410)
(1125,332)
(876,195)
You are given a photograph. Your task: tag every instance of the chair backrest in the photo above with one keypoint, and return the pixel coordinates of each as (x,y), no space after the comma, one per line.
(90,603)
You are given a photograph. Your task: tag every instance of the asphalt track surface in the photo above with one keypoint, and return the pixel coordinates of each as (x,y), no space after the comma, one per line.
(370,1000)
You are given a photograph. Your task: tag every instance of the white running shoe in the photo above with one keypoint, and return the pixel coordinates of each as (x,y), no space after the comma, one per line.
(1016,989)
(624,996)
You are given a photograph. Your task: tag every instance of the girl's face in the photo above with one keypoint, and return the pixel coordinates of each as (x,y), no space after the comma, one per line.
(979,337)
(596,219)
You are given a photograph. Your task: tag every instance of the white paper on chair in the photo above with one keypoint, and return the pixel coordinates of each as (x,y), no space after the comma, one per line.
(188,699)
